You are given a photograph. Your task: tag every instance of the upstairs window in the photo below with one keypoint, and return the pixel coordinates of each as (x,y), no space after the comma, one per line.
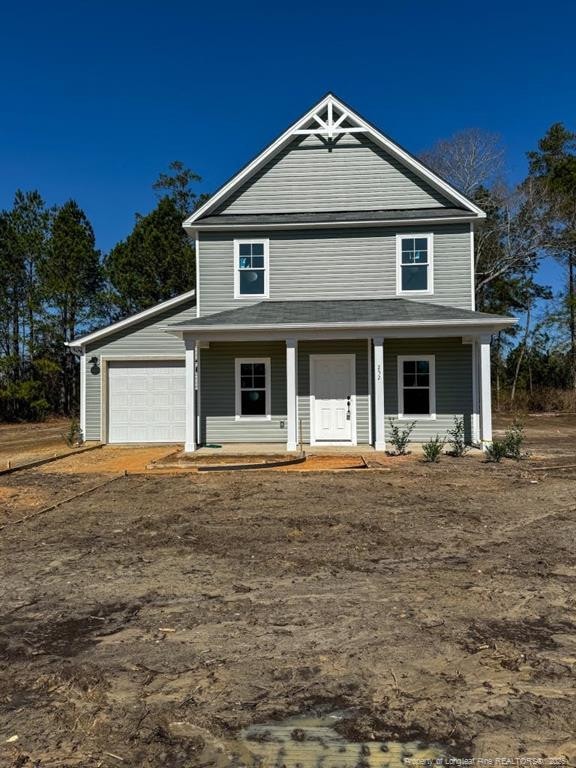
(416,387)
(414,263)
(253,388)
(251,268)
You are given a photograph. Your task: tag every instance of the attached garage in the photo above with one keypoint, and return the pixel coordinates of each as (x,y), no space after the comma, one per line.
(146,401)
(132,376)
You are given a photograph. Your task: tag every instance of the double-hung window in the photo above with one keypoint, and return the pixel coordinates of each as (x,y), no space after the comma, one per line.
(414,264)
(416,387)
(251,268)
(253,388)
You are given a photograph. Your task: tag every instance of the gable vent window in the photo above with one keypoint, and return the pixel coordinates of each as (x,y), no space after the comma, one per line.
(414,263)
(251,273)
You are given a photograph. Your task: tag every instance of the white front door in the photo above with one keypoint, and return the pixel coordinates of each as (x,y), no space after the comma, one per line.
(333,398)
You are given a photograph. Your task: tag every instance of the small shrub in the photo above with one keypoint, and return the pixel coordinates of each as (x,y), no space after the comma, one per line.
(457,439)
(400,438)
(432,449)
(514,439)
(74,436)
(496,451)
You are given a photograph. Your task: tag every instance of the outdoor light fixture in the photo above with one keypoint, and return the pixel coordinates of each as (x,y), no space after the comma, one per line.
(93,360)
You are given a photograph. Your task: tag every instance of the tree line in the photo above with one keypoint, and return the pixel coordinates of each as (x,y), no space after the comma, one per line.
(56,284)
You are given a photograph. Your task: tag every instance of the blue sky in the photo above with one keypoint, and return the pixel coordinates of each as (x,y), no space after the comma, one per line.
(97,98)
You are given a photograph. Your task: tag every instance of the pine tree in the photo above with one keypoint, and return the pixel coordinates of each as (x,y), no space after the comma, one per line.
(553,170)
(71,277)
(154,263)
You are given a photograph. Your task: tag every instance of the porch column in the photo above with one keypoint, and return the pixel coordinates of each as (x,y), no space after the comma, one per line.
(190,444)
(378,371)
(475,394)
(83,393)
(291,395)
(485,391)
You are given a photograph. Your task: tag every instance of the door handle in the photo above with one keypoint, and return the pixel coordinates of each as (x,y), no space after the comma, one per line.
(348,408)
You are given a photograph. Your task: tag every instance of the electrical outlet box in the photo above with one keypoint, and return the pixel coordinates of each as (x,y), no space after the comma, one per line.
(282,425)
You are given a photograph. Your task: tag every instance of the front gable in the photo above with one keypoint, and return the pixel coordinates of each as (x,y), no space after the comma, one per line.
(349,173)
(332,160)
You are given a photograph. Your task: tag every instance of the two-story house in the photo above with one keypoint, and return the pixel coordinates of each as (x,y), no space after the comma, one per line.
(334,292)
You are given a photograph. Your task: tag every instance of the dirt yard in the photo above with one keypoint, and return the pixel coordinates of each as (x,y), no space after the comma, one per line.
(21,443)
(147,621)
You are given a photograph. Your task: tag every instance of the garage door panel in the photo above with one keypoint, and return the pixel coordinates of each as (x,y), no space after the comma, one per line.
(147,401)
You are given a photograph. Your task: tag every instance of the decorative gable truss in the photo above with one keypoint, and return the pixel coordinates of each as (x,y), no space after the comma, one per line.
(329,121)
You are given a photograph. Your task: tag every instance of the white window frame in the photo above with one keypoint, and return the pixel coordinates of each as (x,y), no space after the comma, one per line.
(430,272)
(238,363)
(431,360)
(251,241)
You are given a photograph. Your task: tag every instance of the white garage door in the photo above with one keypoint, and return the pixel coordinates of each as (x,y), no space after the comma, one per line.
(146,401)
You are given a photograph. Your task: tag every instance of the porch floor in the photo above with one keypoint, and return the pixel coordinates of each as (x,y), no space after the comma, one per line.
(251,449)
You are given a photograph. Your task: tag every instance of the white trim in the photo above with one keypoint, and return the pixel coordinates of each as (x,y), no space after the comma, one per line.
(431,360)
(312,379)
(292,394)
(379,405)
(472,268)
(324,334)
(370,391)
(475,399)
(191,441)
(252,241)
(83,394)
(497,322)
(337,224)
(485,392)
(238,397)
(429,291)
(128,321)
(196,235)
(394,149)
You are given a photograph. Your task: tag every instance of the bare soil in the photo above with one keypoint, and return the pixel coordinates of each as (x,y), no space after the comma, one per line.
(145,622)
(21,443)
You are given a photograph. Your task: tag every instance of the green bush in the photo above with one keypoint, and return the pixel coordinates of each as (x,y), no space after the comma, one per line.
(514,440)
(457,438)
(74,434)
(400,438)
(496,451)
(432,449)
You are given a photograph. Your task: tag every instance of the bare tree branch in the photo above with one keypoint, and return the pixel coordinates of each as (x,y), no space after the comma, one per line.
(469,159)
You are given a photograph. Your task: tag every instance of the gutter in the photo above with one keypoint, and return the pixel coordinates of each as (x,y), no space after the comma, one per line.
(198,225)
(495,322)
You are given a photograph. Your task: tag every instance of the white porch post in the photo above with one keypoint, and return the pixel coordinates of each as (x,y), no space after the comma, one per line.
(378,371)
(475,394)
(83,393)
(190,444)
(485,391)
(291,395)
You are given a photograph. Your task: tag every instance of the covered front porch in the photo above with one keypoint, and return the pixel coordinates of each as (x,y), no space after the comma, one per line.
(332,382)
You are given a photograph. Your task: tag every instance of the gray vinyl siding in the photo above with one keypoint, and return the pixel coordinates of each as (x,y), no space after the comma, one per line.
(146,339)
(354,263)
(358,347)
(217,396)
(353,175)
(453,363)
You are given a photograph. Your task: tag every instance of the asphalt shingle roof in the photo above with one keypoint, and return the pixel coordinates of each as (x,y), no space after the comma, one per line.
(353,311)
(332,216)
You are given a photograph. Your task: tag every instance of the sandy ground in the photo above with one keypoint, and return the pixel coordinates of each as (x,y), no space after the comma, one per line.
(20,443)
(144,622)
